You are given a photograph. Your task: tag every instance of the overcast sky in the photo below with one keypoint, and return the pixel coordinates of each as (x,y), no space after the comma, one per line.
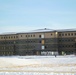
(26,15)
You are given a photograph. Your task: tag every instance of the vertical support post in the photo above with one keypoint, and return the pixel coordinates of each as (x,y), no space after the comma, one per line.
(14,48)
(75,49)
(56,41)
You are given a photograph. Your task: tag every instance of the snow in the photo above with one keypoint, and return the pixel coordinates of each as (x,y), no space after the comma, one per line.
(38,65)
(30,73)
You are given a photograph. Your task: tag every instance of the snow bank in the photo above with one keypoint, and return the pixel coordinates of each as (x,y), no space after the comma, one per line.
(33,73)
(38,64)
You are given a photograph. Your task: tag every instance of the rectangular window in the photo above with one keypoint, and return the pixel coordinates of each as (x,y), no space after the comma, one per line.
(16,36)
(21,35)
(42,41)
(1,37)
(43,47)
(74,33)
(28,35)
(65,34)
(51,34)
(11,37)
(42,36)
(69,34)
(59,34)
(62,34)
(33,35)
(4,37)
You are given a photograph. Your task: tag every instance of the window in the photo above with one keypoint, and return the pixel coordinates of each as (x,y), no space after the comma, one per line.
(33,35)
(21,35)
(63,45)
(74,33)
(45,47)
(40,41)
(72,40)
(71,33)
(4,37)
(59,40)
(59,34)
(28,35)
(65,34)
(68,34)
(62,34)
(51,34)
(40,36)
(16,36)
(42,47)
(71,45)
(66,46)
(14,42)
(1,37)
(11,37)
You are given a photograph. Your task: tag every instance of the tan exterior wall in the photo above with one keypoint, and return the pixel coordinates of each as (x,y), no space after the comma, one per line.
(36,35)
(37,41)
(8,37)
(67,34)
(22,36)
(2,37)
(51,35)
(30,35)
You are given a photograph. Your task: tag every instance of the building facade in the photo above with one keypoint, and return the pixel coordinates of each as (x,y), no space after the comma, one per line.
(40,42)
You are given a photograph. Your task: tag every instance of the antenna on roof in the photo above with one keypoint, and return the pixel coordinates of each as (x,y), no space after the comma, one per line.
(45,28)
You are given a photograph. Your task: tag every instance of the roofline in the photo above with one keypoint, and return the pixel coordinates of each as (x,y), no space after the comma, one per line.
(66,30)
(41,31)
(35,32)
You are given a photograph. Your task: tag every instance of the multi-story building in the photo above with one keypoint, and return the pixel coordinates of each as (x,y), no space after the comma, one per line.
(39,42)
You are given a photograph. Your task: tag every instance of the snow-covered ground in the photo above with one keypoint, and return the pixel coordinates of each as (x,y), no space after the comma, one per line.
(38,65)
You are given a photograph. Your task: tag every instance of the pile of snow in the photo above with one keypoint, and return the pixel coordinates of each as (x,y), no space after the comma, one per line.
(38,64)
(33,73)
(10,62)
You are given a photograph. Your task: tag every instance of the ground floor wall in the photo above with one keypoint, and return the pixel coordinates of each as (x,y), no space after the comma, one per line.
(37,52)
(37,47)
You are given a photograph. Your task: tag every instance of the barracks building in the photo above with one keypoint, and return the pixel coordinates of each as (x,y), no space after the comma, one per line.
(39,42)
